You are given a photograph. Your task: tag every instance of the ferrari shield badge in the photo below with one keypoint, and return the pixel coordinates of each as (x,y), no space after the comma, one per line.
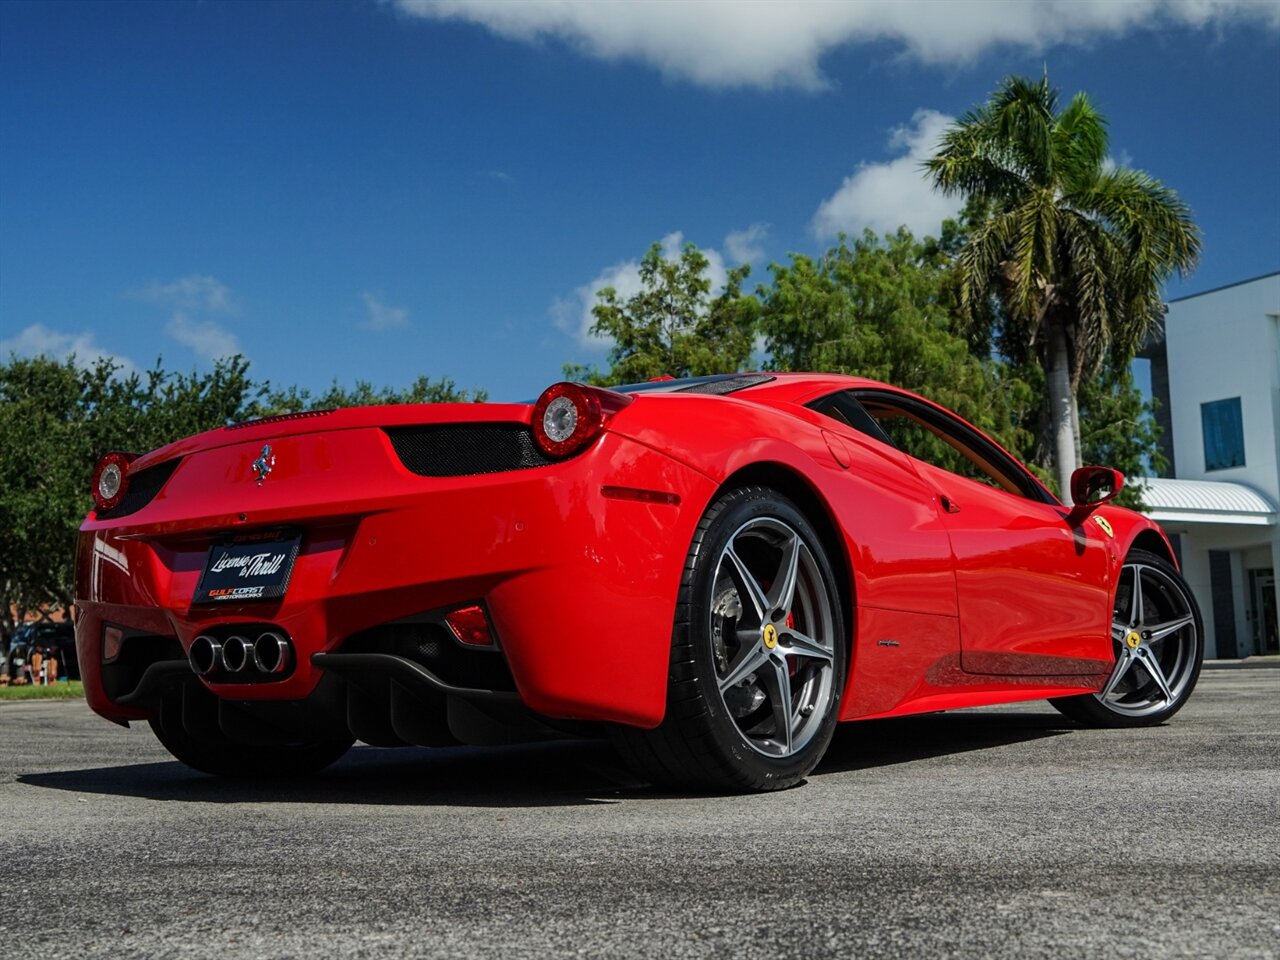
(1106,527)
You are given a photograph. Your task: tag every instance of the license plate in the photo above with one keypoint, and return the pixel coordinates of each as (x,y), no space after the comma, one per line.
(248,567)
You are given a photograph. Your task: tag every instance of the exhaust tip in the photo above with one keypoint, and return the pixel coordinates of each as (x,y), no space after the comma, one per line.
(237,654)
(205,655)
(272,653)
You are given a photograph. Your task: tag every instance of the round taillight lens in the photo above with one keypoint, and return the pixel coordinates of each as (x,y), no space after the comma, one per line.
(111,480)
(560,419)
(566,418)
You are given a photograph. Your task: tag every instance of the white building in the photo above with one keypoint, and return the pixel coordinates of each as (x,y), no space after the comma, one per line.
(1216,375)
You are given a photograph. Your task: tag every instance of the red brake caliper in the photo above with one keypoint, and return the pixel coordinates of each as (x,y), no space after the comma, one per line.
(791,623)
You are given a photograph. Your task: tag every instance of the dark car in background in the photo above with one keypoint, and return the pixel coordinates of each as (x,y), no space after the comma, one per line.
(51,639)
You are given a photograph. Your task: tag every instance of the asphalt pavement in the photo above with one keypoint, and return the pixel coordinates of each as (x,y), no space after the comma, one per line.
(1004,833)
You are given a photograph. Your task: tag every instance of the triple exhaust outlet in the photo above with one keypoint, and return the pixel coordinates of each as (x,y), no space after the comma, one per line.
(270,653)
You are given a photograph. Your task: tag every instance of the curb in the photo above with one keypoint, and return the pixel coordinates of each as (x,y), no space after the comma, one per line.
(1248,663)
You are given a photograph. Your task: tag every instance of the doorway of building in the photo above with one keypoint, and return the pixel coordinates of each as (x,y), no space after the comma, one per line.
(1266,636)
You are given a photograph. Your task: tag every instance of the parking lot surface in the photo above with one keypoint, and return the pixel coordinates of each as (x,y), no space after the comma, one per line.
(1003,832)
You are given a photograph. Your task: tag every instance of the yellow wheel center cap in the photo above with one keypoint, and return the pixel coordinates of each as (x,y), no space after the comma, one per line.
(770,635)
(1134,639)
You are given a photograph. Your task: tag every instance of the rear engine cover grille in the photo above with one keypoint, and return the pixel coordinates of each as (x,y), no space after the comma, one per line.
(143,487)
(462,450)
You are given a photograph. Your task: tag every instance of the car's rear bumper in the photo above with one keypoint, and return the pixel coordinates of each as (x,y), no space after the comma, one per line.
(579,586)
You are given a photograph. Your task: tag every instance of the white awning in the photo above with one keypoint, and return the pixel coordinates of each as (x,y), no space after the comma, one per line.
(1205,501)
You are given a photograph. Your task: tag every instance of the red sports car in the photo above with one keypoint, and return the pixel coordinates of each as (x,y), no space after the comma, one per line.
(712,572)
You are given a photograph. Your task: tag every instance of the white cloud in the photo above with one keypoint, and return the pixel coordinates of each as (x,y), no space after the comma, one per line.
(746,246)
(884,196)
(193,301)
(38,340)
(193,292)
(205,338)
(1123,159)
(382,316)
(729,43)
(572,314)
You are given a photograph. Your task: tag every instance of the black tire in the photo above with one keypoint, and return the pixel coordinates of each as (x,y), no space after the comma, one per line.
(733,741)
(1156,629)
(226,758)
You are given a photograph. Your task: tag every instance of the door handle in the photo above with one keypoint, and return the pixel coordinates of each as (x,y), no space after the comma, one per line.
(949,505)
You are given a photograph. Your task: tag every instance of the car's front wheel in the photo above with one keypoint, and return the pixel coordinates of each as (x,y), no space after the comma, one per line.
(1159,644)
(758,653)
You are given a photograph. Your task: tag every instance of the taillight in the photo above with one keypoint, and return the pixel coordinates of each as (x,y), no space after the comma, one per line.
(111,479)
(568,416)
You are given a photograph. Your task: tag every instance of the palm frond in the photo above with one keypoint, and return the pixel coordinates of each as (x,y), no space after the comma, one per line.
(1079,142)
(970,161)
(980,260)
(1021,115)
(1155,221)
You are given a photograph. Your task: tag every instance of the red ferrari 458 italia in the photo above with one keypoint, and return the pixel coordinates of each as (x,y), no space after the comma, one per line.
(711,572)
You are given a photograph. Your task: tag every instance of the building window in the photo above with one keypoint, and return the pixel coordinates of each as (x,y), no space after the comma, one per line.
(1223,434)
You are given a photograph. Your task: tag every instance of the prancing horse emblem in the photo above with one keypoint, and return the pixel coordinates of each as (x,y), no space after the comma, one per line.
(262,466)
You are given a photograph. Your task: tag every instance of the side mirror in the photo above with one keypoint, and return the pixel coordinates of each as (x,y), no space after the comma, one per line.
(1090,488)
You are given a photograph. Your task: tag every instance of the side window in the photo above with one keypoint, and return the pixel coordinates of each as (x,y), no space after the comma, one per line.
(925,435)
(913,437)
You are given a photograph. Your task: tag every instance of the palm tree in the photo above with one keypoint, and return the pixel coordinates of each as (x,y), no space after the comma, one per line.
(1072,249)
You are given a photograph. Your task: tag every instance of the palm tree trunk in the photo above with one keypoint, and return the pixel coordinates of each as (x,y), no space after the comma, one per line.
(1061,406)
(1075,423)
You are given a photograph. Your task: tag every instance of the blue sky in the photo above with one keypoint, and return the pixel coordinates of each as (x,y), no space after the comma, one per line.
(379,190)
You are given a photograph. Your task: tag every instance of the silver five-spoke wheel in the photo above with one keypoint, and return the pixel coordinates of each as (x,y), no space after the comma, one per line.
(1156,633)
(771,629)
(758,651)
(1156,641)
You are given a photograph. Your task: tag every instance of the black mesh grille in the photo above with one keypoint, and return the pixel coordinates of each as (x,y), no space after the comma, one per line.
(717,384)
(731,385)
(279,418)
(462,450)
(143,487)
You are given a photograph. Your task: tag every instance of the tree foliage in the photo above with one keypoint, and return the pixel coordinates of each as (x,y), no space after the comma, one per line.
(364,394)
(674,326)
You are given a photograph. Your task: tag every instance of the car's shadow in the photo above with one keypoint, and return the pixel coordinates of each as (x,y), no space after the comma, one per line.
(881,743)
(563,773)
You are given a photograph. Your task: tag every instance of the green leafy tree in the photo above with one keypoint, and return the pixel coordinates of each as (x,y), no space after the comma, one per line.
(57,418)
(364,394)
(673,326)
(1073,250)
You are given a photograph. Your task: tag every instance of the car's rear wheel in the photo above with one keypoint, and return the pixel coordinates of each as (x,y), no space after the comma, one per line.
(1158,638)
(223,757)
(758,653)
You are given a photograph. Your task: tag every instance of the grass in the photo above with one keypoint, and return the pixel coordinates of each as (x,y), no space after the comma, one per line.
(72,690)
